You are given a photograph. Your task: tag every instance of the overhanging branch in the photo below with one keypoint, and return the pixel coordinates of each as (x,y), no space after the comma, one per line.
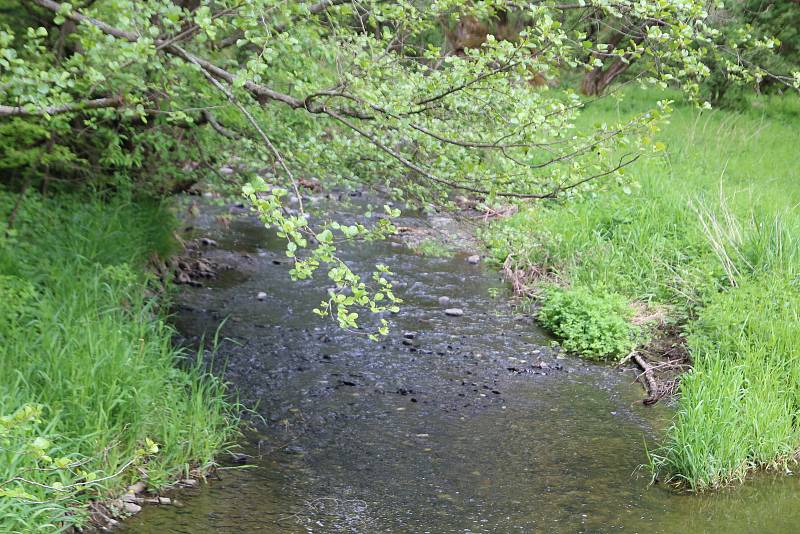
(19,111)
(263,94)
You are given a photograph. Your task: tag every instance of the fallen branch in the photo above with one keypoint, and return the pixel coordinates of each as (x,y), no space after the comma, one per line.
(654,393)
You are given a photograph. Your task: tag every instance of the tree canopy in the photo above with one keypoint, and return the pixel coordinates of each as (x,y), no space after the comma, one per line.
(370,92)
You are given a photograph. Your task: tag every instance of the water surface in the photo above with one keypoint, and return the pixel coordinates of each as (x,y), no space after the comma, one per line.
(472,426)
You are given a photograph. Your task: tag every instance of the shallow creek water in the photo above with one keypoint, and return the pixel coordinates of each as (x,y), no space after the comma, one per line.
(472,426)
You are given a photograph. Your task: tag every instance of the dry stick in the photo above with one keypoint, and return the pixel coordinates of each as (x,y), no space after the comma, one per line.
(278,157)
(646,376)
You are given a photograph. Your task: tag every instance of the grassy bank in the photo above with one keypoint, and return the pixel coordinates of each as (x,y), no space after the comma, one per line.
(708,236)
(92,393)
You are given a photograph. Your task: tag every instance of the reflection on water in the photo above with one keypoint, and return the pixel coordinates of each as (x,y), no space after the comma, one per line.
(466,425)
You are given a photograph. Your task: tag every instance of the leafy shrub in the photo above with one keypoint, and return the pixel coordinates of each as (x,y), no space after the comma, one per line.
(592,324)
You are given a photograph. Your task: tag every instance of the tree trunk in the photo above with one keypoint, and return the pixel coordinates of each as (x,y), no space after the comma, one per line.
(598,79)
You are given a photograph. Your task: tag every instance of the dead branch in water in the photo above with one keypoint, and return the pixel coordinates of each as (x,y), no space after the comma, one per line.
(654,393)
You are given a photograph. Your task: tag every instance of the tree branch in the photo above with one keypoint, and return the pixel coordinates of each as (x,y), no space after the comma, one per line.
(219,128)
(454,185)
(263,94)
(19,111)
(278,156)
(314,9)
(260,92)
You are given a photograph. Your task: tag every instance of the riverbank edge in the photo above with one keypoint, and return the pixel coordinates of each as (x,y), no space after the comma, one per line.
(186,266)
(660,353)
(145,277)
(721,254)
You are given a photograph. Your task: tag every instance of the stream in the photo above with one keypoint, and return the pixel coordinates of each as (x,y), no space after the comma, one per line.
(468,424)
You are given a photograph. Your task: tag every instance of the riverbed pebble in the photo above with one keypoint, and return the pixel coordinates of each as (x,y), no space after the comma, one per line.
(444,301)
(454,312)
(474,259)
(131,507)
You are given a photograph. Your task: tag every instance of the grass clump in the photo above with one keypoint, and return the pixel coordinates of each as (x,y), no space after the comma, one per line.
(707,229)
(740,403)
(92,392)
(590,323)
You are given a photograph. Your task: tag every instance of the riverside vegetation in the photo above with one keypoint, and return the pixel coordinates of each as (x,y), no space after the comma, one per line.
(707,234)
(421,102)
(93,395)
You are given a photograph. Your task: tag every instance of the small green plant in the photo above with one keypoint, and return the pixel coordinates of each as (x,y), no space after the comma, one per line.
(432,247)
(593,324)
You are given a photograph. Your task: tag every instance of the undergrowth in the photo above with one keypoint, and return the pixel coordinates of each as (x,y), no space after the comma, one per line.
(92,392)
(590,323)
(708,229)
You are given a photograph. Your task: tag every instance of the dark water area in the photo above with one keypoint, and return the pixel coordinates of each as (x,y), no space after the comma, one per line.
(466,424)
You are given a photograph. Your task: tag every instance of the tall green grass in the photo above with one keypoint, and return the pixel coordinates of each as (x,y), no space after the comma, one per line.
(739,406)
(90,383)
(709,231)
